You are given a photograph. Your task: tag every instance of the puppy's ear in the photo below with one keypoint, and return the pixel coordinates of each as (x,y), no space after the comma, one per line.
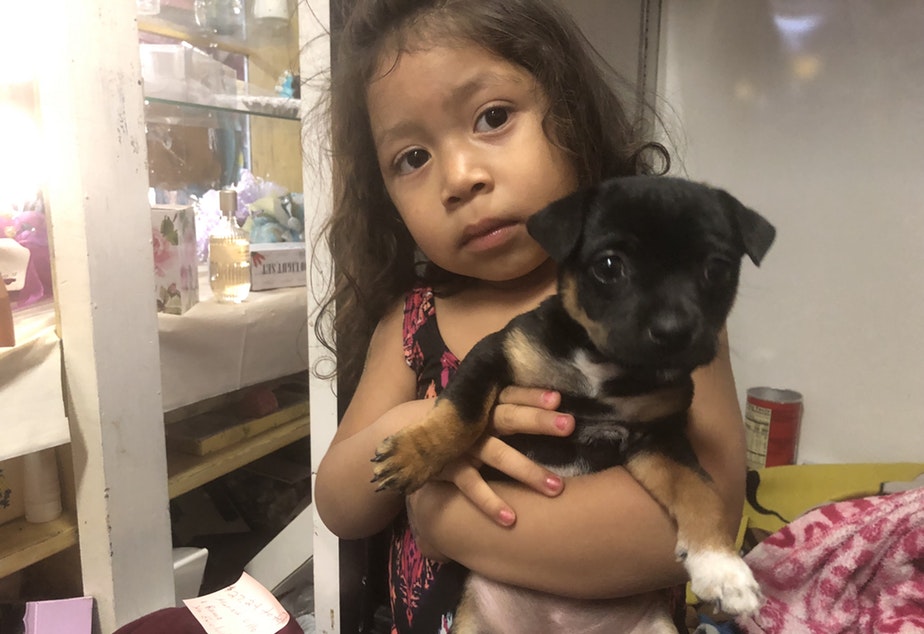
(557,227)
(757,233)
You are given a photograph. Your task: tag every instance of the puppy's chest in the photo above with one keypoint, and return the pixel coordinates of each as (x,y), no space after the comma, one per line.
(534,365)
(613,410)
(600,437)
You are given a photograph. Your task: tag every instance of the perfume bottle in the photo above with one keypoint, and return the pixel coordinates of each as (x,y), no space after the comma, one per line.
(229,254)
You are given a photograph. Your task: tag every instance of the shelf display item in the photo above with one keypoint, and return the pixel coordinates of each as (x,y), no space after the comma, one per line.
(11,504)
(41,487)
(25,260)
(7,330)
(229,254)
(224,17)
(278,265)
(176,277)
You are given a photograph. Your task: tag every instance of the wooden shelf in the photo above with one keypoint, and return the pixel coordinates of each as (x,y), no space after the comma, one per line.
(23,544)
(186,472)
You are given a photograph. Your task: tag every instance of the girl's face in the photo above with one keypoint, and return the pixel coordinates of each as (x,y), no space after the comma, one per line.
(460,144)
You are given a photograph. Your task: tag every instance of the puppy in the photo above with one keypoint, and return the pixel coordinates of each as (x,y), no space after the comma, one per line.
(648,272)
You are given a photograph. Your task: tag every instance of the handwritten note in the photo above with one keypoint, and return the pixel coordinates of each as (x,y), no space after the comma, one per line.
(244,607)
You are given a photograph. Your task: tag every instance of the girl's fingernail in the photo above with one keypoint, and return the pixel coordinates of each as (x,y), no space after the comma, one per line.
(549,398)
(506,517)
(553,483)
(562,422)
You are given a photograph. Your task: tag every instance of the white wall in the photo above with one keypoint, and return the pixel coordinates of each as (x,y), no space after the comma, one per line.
(614,28)
(822,132)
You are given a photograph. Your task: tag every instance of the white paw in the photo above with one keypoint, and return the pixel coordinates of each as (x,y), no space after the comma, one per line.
(724,579)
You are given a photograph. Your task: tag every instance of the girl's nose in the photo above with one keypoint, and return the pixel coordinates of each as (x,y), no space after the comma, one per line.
(463,178)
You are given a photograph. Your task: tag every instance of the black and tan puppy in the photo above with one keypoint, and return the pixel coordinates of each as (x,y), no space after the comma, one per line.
(648,271)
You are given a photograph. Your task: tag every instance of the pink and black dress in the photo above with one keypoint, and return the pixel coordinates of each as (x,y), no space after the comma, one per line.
(423,592)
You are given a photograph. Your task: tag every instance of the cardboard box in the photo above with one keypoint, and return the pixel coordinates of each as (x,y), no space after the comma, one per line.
(11,489)
(176,270)
(277,265)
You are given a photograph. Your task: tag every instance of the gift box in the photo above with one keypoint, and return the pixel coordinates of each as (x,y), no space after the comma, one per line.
(176,273)
(277,265)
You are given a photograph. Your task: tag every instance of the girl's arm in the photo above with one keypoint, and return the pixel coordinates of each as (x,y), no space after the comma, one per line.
(382,404)
(604,536)
(348,501)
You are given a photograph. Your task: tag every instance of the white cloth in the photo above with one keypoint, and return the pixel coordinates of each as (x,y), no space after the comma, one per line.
(214,348)
(31,393)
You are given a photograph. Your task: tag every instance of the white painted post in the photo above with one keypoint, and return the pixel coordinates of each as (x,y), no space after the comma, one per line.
(92,113)
(314,27)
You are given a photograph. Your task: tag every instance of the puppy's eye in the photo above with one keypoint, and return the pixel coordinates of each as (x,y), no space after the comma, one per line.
(718,270)
(608,269)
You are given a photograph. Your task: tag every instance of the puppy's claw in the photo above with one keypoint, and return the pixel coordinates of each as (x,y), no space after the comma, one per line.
(381,487)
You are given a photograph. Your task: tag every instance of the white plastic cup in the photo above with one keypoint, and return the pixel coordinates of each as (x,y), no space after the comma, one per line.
(41,488)
(148,7)
(274,10)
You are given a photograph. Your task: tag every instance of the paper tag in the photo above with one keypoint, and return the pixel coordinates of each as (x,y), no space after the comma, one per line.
(244,607)
(14,260)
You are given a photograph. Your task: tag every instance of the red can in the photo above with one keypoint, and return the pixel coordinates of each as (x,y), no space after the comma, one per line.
(771,420)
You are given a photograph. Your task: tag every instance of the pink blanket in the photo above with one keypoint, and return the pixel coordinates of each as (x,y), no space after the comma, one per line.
(855,566)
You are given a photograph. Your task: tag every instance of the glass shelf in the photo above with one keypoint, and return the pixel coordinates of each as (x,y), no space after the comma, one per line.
(172,111)
(211,102)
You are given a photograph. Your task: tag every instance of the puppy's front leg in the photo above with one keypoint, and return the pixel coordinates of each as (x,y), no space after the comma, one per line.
(414,455)
(717,573)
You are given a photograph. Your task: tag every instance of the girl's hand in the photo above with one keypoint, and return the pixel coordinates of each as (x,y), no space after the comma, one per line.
(519,410)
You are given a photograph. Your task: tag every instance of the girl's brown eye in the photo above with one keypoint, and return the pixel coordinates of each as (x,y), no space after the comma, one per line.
(492,118)
(413,160)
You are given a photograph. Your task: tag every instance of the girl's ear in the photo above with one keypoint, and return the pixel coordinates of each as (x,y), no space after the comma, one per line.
(557,227)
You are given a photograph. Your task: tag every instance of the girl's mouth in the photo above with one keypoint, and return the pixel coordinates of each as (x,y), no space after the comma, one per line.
(487,234)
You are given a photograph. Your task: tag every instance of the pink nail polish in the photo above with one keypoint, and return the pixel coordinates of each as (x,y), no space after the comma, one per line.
(506,517)
(562,422)
(554,483)
(549,398)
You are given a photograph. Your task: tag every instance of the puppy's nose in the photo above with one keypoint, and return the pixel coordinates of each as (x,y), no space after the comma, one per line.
(671,330)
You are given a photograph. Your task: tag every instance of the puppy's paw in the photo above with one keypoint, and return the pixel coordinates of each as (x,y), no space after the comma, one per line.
(723,578)
(402,462)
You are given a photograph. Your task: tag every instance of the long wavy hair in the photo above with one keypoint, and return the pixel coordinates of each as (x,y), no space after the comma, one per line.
(375,259)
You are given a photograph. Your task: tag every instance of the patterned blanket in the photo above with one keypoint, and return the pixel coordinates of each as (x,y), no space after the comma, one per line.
(855,566)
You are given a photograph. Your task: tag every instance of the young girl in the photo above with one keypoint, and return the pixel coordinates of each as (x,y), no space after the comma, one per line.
(454,121)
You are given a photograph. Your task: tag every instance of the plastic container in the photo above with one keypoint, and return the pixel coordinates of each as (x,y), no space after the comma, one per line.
(41,487)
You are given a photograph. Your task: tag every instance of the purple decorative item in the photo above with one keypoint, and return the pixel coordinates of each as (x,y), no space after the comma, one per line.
(31,233)
(249,190)
(28,229)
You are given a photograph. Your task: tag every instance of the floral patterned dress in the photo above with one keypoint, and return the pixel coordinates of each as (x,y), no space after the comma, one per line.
(423,593)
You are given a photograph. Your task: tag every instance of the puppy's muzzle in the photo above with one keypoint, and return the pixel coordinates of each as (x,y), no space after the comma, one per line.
(673,330)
